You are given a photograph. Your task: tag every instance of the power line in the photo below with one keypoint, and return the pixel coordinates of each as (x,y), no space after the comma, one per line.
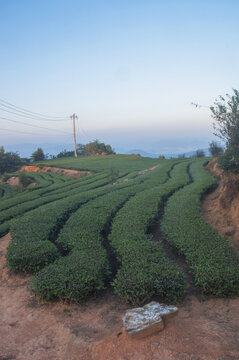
(25,115)
(27,133)
(36,126)
(23,110)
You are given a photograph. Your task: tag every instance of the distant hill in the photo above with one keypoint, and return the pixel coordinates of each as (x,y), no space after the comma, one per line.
(167,155)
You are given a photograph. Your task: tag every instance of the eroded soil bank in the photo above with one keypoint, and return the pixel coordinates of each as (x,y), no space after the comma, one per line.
(221,207)
(65,172)
(202,330)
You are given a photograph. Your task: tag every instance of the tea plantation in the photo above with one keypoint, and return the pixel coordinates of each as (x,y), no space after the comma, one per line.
(79,236)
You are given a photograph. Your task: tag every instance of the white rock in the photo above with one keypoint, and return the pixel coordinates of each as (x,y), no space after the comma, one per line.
(144,321)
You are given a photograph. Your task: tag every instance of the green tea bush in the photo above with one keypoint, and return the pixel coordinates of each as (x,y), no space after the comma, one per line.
(213,261)
(145,270)
(30,259)
(72,278)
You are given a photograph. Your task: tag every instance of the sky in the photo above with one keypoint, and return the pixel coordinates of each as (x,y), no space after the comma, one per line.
(128,69)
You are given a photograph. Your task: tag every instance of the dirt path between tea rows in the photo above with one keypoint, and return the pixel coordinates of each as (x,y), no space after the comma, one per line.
(202,330)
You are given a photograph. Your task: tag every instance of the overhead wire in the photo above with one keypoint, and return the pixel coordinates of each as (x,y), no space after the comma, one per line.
(28,116)
(23,110)
(28,133)
(36,126)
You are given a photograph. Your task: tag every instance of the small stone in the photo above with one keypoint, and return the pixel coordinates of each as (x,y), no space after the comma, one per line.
(147,320)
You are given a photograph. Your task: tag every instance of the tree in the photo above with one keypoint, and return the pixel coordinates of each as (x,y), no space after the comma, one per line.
(215,149)
(199,153)
(9,161)
(65,153)
(38,155)
(97,148)
(226,115)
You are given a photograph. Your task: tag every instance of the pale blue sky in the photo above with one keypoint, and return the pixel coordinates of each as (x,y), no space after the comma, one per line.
(129,69)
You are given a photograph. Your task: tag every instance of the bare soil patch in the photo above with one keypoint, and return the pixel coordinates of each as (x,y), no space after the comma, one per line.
(13,181)
(203,329)
(221,207)
(65,172)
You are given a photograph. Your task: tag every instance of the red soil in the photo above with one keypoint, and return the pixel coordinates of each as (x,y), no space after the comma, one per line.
(60,171)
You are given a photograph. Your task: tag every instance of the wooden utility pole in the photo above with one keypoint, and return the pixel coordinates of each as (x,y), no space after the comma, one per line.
(74,117)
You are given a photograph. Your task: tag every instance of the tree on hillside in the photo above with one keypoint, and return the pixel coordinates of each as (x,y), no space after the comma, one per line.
(225,112)
(97,148)
(9,161)
(215,149)
(199,153)
(38,155)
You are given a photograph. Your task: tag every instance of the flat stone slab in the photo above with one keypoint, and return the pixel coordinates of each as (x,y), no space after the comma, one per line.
(144,321)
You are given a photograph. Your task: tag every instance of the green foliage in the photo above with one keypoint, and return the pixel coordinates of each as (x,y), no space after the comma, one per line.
(30,257)
(213,261)
(228,162)
(72,278)
(38,155)
(215,149)
(65,153)
(226,114)
(199,153)
(9,161)
(64,239)
(81,239)
(113,175)
(97,148)
(126,163)
(161,157)
(24,179)
(145,269)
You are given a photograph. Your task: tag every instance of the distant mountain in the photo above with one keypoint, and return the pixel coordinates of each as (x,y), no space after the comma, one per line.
(167,155)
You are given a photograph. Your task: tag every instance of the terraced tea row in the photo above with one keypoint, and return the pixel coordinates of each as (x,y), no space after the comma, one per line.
(25,206)
(86,267)
(145,270)
(214,262)
(39,224)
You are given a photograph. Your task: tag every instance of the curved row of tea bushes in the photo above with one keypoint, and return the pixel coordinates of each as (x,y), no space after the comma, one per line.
(42,223)
(30,205)
(34,192)
(6,192)
(86,267)
(214,262)
(41,226)
(145,270)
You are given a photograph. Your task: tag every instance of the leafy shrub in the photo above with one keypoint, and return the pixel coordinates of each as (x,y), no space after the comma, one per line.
(215,149)
(145,269)
(199,153)
(31,257)
(24,179)
(228,162)
(72,278)
(213,261)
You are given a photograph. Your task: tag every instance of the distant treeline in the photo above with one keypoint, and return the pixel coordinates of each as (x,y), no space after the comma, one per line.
(92,148)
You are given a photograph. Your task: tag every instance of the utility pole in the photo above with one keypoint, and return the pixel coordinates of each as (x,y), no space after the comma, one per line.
(74,117)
